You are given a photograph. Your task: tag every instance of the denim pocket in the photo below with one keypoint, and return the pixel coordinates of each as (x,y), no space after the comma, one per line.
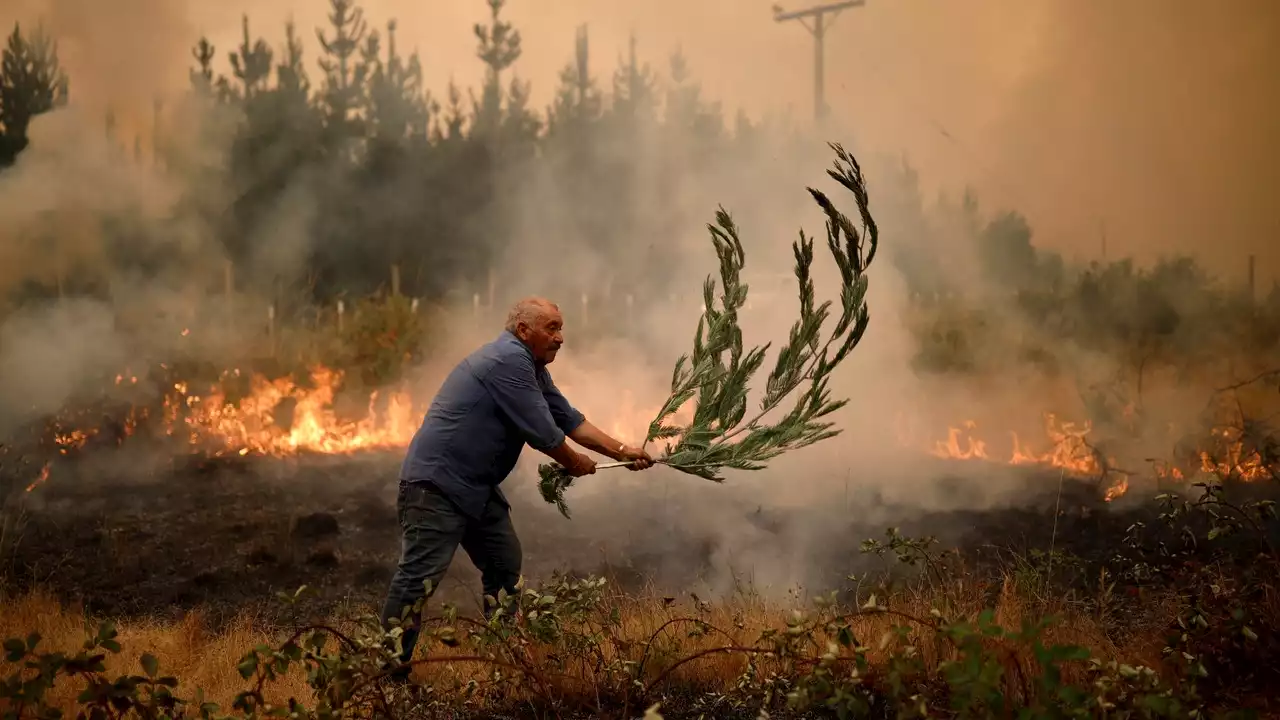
(425,506)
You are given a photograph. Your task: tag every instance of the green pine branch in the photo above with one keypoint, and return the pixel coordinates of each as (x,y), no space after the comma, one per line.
(717,374)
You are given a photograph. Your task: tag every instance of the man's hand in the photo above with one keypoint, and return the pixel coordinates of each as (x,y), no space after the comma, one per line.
(640,459)
(576,463)
(582,465)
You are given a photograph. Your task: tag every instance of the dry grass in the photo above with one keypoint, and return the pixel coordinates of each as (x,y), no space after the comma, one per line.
(201,659)
(185,650)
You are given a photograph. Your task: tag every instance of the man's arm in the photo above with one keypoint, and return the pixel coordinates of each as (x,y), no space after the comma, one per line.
(572,422)
(566,416)
(515,390)
(593,438)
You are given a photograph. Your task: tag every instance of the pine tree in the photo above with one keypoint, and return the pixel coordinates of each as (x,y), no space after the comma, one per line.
(32,82)
(399,157)
(277,145)
(449,125)
(578,103)
(635,99)
(291,74)
(291,102)
(398,107)
(202,81)
(251,64)
(687,113)
(520,124)
(499,48)
(344,75)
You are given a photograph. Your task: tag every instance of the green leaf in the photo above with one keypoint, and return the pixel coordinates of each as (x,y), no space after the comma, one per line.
(248,666)
(150,665)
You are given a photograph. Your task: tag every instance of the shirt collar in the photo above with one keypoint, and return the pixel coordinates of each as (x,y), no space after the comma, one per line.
(510,337)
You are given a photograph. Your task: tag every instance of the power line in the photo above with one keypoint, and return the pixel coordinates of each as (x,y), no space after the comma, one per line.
(819,14)
(823,17)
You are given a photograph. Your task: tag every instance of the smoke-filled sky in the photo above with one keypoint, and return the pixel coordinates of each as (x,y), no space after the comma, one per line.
(1150,120)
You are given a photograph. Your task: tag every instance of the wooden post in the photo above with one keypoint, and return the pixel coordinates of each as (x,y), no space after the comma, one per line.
(342,309)
(413,306)
(475,305)
(395,280)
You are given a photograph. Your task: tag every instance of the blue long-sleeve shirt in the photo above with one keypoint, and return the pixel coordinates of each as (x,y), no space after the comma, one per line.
(490,406)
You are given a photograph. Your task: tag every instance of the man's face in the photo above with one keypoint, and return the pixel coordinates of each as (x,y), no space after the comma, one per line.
(545,336)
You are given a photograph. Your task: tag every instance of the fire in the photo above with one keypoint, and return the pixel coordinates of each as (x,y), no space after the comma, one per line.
(278,417)
(1225,455)
(1068,449)
(43,476)
(1233,459)
(1115,491)
(281,417)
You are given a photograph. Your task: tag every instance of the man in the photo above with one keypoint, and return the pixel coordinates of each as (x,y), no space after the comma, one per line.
(492,404)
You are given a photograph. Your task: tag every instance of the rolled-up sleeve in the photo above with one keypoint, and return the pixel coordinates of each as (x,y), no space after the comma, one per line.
(514,387)
(565,414)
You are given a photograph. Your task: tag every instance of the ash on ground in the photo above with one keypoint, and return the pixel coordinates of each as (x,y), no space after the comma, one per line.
(129,538)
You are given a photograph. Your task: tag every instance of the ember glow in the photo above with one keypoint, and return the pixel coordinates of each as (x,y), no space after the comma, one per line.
(40,479)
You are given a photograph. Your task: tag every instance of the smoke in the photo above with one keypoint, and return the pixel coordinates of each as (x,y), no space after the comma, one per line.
(48,353)
(1046,108)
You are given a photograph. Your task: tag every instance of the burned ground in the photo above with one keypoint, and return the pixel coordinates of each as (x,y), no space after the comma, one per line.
(136,536)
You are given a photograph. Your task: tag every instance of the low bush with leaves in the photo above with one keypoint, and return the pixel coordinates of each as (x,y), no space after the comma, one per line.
(571,647)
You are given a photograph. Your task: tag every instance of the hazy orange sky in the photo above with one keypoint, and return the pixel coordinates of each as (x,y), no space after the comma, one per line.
(1155,117)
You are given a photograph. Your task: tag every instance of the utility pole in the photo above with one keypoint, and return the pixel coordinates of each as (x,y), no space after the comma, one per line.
(819,14)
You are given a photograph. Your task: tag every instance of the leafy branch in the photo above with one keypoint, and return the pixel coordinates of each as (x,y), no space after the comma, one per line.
(716,375)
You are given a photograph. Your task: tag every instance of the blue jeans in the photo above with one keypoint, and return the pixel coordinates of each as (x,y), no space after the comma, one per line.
(432,527)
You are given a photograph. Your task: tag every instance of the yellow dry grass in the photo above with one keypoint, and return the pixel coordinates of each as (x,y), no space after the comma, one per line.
(201,659)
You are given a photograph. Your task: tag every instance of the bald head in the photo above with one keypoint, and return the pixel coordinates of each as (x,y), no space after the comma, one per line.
(538,324)
(528,311)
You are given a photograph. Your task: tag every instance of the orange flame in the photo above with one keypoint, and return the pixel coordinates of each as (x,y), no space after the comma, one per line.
(1068,450)
(1227,455)
(1232,458)
(43,476)
(257,423)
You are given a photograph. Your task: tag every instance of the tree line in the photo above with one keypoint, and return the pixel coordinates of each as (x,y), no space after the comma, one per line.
(340,142)
(387,172)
